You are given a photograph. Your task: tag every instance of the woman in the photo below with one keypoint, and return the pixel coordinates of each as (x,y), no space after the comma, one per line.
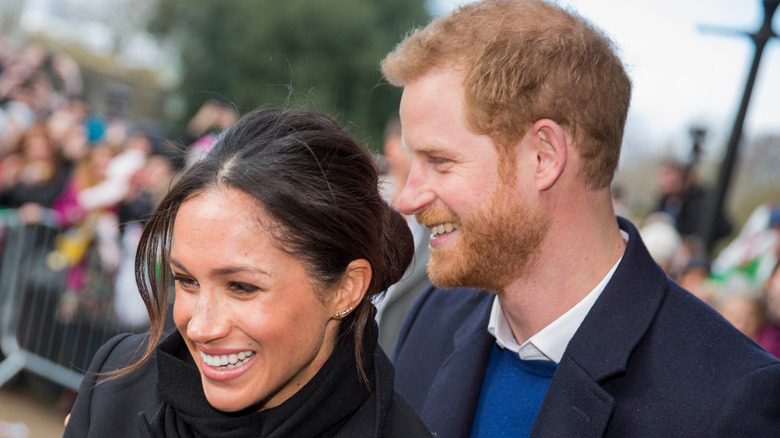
(276,242)
(32,178)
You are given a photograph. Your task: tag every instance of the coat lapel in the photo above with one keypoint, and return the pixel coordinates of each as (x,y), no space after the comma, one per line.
(575,404)
(451,404)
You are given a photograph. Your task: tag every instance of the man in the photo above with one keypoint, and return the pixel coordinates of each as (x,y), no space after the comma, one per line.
(514,112)
(685,200)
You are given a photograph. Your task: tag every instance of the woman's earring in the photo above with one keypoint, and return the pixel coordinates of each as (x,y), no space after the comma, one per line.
(339,315)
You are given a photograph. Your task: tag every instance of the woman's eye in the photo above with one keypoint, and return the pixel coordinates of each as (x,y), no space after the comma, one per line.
(243,287)
(185,283)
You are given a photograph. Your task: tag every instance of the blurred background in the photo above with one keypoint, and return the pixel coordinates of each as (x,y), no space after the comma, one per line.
(103,102)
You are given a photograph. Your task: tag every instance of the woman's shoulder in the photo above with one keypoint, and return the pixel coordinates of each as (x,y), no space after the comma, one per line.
(385,413)
(105,406)
(117,349)
(385,416)
(403,421)
(119,352)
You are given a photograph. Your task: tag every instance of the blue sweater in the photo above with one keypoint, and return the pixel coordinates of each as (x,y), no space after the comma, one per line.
(512,393)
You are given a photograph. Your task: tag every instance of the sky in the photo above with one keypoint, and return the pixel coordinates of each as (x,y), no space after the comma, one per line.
(683,76)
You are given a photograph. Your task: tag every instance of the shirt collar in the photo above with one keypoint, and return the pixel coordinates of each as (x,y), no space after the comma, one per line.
(550,343)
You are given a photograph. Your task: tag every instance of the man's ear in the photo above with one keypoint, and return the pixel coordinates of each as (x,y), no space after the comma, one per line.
(352,288)
(551,148)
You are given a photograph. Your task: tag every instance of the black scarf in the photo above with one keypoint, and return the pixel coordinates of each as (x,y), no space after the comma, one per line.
(319,409)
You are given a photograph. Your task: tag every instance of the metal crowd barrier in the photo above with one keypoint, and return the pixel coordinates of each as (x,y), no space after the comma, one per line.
(36,333)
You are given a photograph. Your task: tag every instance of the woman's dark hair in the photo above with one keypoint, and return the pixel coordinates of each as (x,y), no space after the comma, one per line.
(319,187)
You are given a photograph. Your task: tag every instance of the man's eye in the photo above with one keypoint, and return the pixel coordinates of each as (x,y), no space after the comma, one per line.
(439,160)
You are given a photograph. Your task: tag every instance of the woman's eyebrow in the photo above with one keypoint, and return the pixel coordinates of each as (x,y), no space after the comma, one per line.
(225,270)
(239,268)
(176,263)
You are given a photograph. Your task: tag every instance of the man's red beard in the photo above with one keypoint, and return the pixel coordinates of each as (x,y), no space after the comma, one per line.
(496,244)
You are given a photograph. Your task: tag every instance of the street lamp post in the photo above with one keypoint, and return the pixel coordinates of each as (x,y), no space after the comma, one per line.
(759,38)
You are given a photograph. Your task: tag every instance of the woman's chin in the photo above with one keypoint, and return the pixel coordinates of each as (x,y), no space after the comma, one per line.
(229,405)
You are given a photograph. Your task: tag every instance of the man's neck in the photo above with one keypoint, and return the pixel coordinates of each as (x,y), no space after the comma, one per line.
(572,261)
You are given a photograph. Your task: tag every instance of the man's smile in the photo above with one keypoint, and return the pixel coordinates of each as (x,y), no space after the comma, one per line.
(438,230)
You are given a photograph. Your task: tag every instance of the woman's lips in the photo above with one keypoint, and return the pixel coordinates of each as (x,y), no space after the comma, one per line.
(225,367)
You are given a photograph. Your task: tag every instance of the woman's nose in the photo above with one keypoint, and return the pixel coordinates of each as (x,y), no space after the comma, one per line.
(208,320)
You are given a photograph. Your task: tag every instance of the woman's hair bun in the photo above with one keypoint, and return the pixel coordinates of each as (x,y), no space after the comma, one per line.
(397,246)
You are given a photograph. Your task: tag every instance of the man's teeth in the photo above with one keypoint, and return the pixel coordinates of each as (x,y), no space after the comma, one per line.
(227,361)
(440,229)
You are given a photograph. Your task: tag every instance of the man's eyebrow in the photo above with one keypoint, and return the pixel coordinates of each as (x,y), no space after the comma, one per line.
(427,148)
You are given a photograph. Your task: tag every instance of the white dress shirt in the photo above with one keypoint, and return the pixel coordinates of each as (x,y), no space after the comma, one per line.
(550,343)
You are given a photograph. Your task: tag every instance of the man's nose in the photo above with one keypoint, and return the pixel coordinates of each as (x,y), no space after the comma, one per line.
(417,193)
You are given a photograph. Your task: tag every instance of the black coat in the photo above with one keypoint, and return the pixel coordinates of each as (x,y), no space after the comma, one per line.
(649,360)
(123,407)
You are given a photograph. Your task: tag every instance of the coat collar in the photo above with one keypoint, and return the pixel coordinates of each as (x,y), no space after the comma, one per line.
(621,316)
(576,404)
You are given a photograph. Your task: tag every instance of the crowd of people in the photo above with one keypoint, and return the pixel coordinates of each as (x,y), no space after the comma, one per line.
(742,282)
(93,176)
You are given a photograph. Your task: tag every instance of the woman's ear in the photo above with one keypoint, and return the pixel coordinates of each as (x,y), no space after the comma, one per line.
(551,147)
(352,288)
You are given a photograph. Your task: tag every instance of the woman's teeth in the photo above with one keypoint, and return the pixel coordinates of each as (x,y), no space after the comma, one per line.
(440,229)
(226,361)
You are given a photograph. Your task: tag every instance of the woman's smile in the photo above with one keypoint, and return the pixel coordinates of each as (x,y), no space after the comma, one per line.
(226,367)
